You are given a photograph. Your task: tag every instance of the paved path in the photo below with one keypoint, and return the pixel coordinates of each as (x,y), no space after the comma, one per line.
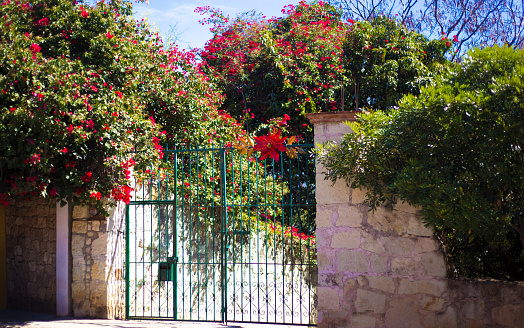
(16,319)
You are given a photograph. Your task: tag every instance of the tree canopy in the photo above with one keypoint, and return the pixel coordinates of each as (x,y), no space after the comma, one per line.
(472,23)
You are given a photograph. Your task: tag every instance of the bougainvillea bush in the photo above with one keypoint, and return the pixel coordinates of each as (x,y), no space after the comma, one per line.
(273,71)
(88,95)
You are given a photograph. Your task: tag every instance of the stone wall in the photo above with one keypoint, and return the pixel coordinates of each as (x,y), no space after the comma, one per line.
(31,256)
(385,269)
(487,303)
(98,263)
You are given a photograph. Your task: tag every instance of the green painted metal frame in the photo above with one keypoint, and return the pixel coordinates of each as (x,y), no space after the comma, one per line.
(176,201)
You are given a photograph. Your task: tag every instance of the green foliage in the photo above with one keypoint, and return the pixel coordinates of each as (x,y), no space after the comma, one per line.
(385,61)
(455,150)
(300,63)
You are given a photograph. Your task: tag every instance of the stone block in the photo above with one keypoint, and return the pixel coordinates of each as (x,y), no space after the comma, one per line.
(99,245)
(398,245)
(78,273)
(405,207)
(416,227)
(352,261)
(426,245)
(431,287)
(362,281)
(509,315)
(324,262)
(430,321)
(367,300)
(448,319)
(98,271)
(323,218)
(372,244)
(349,216)
(385,284)
(328,299)
(349,290)
(475,323)
(81,212)
(472,309)
(98,293)
(431,303)
(95,225)
(323,239)
(328,192)
(329,280)
(362,321)
(79,227)
(358,196)
(346,239)
(378,263)
(78,291)
(403,313)
(336,318)
(404,266)
(387,220)
(433,265)
(77,245)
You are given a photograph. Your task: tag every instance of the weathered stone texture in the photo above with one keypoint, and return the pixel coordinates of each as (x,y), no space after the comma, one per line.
(98,264)
(31,256)
(89,249)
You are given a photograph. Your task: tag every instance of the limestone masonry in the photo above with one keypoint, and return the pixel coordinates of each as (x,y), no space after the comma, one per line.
(31,256)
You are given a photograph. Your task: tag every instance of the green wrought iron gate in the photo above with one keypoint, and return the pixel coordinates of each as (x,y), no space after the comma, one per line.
(218,236)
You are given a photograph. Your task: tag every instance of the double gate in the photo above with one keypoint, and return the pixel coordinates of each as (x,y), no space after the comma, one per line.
(218,236)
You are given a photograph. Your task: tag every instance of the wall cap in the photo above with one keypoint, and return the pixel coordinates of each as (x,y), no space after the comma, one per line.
(332,117)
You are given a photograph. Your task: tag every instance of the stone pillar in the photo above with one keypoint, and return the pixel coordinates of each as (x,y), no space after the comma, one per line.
(63,260)
(375,269)
(98,263)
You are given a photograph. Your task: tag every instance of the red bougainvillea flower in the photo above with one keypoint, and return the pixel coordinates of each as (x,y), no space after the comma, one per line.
(270,145)
(87,177)
(109,35)
(85,14)
(43,22)
(52,192)
(96,195)
(35,48)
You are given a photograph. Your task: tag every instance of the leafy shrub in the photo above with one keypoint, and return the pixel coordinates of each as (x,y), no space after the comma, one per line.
(455,150)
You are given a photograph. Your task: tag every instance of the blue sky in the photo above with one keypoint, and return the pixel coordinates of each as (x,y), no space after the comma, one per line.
(165,13)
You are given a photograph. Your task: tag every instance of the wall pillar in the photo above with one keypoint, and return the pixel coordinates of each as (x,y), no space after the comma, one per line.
(63,260)
(379,268)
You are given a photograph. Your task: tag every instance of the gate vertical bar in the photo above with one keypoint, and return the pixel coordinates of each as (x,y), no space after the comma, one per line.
(127,275)
(175,235)
(224,233)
